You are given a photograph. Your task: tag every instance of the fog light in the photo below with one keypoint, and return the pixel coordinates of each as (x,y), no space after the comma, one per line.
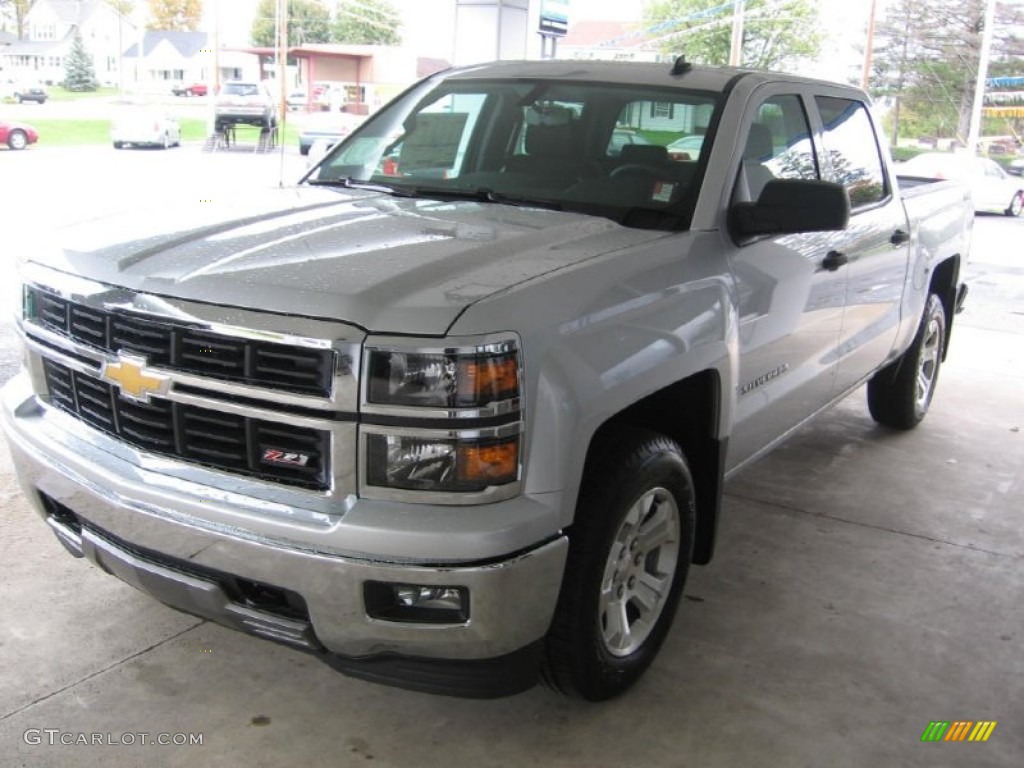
(416,603)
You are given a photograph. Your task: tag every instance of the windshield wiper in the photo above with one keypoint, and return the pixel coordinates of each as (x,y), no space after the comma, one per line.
(349,183)
(480,194)
(485,195)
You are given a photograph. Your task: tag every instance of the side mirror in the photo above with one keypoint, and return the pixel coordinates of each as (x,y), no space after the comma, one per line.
(787,206)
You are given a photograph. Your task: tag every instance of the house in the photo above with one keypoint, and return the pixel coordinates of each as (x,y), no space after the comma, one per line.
(50,30)
(183,57)
(609,40)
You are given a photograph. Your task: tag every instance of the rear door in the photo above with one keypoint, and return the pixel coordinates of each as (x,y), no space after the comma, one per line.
(875,248)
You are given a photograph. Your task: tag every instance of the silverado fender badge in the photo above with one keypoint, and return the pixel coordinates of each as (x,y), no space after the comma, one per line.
(130,375)
(764,378)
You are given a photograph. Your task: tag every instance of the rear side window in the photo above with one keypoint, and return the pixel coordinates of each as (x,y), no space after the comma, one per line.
(852,149)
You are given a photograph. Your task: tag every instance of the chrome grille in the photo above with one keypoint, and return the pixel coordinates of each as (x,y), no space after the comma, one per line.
(216,439)
(186,348)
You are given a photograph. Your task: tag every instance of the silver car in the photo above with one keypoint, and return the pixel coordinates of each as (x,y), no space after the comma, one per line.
(993,190)
(145,129)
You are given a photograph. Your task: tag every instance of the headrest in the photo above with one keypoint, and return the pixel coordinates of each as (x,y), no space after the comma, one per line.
(541,115)
(645,154)
(551,140)
(759,143)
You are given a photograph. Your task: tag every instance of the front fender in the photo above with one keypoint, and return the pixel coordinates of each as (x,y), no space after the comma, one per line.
(602,335)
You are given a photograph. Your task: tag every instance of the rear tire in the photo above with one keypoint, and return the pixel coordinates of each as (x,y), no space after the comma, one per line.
(629,552)
(899,395)
(1016,205)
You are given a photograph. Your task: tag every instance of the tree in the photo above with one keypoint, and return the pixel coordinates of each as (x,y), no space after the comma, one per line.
(927,54)
(124,7)
(176,15)
(366,22)
(773,33)
(79,72)
(308,22)
(17,10)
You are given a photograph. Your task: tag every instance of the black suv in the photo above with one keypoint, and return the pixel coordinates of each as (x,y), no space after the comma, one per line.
(34,93)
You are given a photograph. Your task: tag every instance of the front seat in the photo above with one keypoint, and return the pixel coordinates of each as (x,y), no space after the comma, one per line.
(753,173)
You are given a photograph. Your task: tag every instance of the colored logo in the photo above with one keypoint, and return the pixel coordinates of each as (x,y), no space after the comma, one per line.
(958,730)
(129,374)
(284,458)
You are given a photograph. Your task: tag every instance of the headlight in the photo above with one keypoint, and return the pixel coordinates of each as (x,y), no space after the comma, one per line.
(475,378)
(418,402)
(454,464)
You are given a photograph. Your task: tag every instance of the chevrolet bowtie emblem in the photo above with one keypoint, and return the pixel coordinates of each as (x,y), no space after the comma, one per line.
(130,375)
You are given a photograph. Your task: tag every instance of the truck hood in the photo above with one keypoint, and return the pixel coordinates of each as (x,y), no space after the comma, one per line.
(382,263)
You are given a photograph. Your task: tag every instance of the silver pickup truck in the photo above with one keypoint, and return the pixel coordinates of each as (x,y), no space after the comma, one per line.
(455,412)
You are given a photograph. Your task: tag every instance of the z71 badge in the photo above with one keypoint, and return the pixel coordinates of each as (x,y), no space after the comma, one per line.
(284,458)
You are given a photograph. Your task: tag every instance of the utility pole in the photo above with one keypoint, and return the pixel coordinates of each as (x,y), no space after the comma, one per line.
(736,49)
(869,48)
(979,85)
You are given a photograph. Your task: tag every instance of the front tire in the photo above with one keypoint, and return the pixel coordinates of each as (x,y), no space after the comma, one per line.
(17,139)
(629,552)
(1016,205)
(900,394)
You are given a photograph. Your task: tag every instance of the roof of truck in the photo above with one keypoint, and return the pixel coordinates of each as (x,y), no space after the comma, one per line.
(620,72)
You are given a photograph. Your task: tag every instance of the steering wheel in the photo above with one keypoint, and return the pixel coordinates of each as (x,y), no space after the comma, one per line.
(636,169)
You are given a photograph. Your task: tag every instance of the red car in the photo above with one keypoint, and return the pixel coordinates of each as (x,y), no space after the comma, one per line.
(17,135)
(195,89)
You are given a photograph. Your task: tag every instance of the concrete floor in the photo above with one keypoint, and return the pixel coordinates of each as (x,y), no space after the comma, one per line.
(866,583)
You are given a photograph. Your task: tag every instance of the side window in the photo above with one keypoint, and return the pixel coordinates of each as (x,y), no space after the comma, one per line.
(792,153)
(778,146)
(852,149)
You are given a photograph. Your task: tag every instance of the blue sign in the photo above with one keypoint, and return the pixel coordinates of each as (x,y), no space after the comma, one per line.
(554,17)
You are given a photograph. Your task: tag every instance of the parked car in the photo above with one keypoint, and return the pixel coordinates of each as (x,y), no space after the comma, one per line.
(993,190)
(686,148)
(298,100)
(330,127)
(621,138)
(195,89)
(245,103)
(458,427)
(145,129)
(17,135)
(36,93)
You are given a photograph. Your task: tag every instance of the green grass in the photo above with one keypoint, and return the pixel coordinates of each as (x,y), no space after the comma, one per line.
(662,138)
(73,133)
(59,93)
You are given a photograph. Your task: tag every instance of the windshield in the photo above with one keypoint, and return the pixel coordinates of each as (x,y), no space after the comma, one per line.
(241,89)
(628,153)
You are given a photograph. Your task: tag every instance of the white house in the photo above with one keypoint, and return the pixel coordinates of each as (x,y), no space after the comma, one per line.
(183,57)
(50,30)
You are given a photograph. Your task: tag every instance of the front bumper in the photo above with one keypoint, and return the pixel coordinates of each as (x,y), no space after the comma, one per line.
(151,530)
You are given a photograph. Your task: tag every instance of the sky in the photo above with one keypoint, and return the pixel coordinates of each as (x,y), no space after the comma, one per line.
(427,24)
(421,17)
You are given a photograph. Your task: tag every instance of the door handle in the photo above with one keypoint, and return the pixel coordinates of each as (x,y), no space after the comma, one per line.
(899,237)
(834,260)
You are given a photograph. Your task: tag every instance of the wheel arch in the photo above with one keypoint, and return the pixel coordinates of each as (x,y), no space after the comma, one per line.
(689,412)
(945,282)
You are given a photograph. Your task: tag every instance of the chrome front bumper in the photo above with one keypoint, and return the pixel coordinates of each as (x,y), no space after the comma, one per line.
(136,524)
